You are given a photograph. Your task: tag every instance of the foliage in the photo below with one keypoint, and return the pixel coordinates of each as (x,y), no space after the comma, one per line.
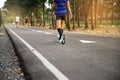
(91,12)
(0,17)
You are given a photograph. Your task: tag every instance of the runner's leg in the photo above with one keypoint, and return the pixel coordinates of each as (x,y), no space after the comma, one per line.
(58,25)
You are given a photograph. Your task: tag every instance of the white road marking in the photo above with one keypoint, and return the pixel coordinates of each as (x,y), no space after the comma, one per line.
(59,75)
(39,31)
(86,41)
(48,33)
(26,28)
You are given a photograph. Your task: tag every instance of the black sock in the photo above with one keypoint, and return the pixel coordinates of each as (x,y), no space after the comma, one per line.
(60,31)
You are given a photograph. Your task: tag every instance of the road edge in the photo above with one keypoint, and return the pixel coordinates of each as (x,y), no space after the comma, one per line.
(21,61)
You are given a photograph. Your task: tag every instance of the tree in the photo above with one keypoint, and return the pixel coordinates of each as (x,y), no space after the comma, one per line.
(96,12)
(86,4)
(78,5)
(74,14)
(92,14)
(84,10)
(43,5)
(0,17)
(25,7)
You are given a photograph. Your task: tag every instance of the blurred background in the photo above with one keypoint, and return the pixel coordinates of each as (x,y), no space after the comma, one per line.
(97,15)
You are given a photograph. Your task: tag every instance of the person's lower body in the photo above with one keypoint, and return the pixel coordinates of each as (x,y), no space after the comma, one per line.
(17,23)
(26,23)
(60,25)
(60,31)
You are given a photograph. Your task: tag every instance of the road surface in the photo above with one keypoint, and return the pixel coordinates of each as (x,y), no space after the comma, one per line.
(83,57)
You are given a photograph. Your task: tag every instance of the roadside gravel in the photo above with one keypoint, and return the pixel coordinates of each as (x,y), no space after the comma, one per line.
(9,63)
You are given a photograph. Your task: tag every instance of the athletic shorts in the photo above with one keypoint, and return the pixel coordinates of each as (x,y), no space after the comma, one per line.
(61,17)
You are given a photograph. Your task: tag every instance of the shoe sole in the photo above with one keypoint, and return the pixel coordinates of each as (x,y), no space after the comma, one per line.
(63,41)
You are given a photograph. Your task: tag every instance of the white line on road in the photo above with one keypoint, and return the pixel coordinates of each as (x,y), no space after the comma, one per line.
(39,31)
(59,75)
(86,41)
(48,33)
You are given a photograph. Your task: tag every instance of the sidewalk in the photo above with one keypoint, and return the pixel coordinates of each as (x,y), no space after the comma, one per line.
(9,63)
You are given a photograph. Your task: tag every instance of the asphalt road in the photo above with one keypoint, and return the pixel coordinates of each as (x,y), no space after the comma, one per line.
(83,57)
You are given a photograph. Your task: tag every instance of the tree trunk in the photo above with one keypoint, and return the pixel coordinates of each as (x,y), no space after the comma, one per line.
(43,15)
(101,13)
(68,22)
(96,12)
(92,14)
(53,19)
(112,18)
(86,14)
(78,13)
(0,17)
(53,22)
(74,15)
(31,21)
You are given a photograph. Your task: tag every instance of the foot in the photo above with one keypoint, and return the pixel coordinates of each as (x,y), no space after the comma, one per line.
(60,40)
(63,41)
